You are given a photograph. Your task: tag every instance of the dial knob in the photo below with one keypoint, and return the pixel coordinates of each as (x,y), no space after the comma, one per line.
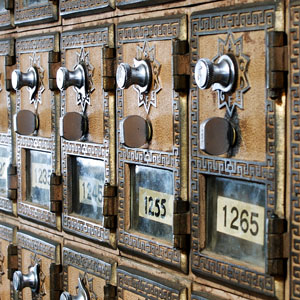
(82,293)
(140,75)
(66,78)
(31,279)
(19,79)
(221,76)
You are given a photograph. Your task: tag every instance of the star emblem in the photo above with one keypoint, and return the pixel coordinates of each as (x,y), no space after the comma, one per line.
(35,61)
(84,58)
(236,99)
(145,52)
(88,283)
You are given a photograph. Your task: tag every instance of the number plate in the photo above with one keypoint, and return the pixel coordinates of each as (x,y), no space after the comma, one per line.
(152,201)
(88,187)
(40,169)
(240,219)
(4,162)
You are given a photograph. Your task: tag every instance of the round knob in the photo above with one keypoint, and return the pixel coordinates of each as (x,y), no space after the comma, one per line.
(31,279)
(19,79)
(65,296)
(221,76)
(82,293)
(140,75)
(66,78)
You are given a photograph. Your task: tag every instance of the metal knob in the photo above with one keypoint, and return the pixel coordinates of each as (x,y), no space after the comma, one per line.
(66,78)
(219,76)
(31,279)
(19,79)
(82,293)
(140,75)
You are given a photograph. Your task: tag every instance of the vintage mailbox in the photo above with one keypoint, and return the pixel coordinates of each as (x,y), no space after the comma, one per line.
(236,125)
(87,129)
(152,170)
(37,129)
(87,277)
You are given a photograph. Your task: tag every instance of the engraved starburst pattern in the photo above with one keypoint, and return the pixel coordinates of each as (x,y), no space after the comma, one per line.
(42,277)
(1,265)
(35,61)
(145,52)
(88,284)
(83,57)
(235,99)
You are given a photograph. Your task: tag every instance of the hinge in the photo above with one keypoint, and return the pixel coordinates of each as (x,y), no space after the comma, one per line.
(12,260)
(55,193)
(56,281)
(53,66)
(277,244)
(10,61)
(108,70)
(9,4)
(181,65)
(110,292)
(277,63)
(12,182)
(181,224)
(110,206)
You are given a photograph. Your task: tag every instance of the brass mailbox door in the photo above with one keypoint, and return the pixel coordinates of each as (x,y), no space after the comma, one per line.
(28,12)
(7,239)
(136,285)
(71,9)
(87,130)
(37,135)
(152,171)
(7,154)
(37,259)
(6,15)
(237,147)
(90,276)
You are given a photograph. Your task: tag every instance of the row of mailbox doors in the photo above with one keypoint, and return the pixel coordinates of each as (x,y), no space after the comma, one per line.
(102,139)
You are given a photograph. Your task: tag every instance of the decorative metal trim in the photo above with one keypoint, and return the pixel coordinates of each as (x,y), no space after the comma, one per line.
(34,14)
(38,246)
(215,22)
(37,44)
(82,39)
(140,284)
(70,8)
(125,4)
(293,141)
(6,232)
(6,19)
(144,32)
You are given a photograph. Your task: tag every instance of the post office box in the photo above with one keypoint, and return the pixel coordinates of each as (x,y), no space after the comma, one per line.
(34,12)
(151,116)
(8,186)
(87,276)
(136,285)
(37,276)
(7,264)
(36,123)
(6,14)
(236,158)
(86,81)
(70,8)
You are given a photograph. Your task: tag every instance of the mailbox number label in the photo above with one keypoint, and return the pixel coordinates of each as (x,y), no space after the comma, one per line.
(241,219)
(41,174)
(90,191)
(156,206)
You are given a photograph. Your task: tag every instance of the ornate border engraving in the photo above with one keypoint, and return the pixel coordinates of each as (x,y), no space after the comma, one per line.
(140,285)
(35,13)
(36,44)
(294,29)
(6,19)
(6,233)
(208,23)
(81,40)
(145,31)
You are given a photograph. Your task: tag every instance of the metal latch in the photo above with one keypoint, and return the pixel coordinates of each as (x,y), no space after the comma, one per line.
(181,228)
(55,193)
(277,244)
(12,182)
(276,63)
(181,65)
(109,67)
(110,206)
(53,66)
(110,292)
(10,61)
(12,261)
(56,280)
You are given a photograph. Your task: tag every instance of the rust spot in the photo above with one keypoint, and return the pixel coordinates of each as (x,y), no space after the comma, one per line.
(247,38)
